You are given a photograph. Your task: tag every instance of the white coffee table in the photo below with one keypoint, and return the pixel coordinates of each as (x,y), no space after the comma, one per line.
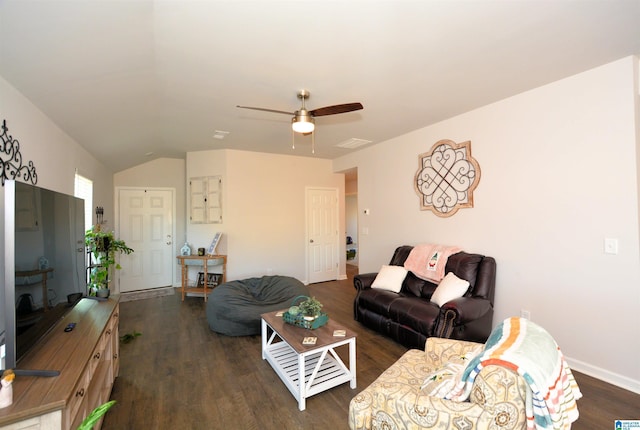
(318,366)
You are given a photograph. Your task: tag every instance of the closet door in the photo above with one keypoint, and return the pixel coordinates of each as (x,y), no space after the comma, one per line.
(322,234)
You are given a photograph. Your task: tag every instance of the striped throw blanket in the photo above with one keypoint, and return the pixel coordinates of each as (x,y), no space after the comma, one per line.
(428,261)
(529,350)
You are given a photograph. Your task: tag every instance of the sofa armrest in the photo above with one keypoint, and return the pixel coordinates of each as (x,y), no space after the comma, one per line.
(364,280)
(460,312)
(466,309)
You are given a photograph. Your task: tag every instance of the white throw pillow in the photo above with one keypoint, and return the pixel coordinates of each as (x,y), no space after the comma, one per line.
(390,278)
(451,287)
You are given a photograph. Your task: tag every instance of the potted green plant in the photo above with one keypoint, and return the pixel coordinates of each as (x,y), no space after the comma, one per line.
(102,247)
(310,308)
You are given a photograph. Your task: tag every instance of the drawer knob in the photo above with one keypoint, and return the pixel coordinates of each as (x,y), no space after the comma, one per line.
(80,392)
(97,356)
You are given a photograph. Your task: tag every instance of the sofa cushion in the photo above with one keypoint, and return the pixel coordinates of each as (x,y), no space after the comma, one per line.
(377,300)
(390,278)
(451,287)
(400,255)
(414,285)
(428,289)
(465,266)
(419,315)
(444,379)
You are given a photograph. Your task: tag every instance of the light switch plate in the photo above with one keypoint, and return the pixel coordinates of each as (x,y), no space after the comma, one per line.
(610,246)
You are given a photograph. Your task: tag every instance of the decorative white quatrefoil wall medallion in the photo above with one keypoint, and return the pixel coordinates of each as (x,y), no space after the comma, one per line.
(447,177)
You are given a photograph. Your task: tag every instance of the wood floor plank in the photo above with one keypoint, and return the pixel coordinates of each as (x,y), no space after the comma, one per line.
(181,375)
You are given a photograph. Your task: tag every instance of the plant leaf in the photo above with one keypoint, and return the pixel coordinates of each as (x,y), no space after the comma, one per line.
(95,415)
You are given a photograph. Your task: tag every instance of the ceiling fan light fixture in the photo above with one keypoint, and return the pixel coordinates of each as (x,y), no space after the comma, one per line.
(303,123)
(303,120)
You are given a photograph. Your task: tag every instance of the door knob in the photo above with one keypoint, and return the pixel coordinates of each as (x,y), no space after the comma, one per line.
(311,241)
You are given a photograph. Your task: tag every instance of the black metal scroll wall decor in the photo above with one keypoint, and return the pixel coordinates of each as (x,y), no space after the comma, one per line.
(11,159)
(447,177)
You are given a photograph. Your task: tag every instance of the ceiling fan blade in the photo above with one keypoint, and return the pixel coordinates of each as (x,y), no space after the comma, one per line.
(266,110)
(332,110)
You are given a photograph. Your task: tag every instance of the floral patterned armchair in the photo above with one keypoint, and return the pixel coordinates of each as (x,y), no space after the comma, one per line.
(399,398)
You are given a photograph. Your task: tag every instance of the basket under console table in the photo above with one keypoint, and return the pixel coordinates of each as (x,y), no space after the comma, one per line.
(307,370)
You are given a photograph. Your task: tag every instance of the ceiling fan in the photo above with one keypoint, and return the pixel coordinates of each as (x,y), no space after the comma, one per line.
(303,120)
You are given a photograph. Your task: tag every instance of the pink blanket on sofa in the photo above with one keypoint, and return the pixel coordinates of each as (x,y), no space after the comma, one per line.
(428,261)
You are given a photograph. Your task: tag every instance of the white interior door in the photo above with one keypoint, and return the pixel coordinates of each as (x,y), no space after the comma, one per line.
(322,234)
(146,225)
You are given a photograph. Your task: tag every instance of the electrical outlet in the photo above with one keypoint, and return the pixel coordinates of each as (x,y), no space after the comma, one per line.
(525,314)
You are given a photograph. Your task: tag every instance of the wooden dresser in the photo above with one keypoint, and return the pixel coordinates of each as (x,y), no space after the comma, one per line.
(87,358)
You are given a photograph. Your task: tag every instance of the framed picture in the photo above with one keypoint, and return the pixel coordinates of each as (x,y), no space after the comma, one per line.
(214,243)
(212,279)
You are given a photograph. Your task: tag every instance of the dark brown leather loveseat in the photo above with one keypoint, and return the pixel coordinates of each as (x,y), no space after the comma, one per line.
(410,318)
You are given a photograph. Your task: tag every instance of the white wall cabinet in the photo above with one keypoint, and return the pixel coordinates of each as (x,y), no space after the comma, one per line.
(205,200)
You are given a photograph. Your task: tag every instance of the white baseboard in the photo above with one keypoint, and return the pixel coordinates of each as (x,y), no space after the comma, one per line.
(147,294)
(605,375)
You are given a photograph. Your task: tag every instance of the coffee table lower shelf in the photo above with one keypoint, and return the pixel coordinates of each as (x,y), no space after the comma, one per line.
(319,369)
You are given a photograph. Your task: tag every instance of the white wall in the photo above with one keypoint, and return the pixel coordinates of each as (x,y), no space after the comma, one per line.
(263,209)
(55,155)
(559,174)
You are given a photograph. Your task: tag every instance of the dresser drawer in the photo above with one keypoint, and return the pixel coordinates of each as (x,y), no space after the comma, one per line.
(77,401)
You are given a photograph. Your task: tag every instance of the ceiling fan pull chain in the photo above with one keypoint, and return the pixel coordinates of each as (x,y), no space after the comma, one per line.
(293,139)
(313,142)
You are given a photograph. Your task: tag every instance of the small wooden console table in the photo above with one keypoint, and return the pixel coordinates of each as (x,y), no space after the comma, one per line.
(205,261)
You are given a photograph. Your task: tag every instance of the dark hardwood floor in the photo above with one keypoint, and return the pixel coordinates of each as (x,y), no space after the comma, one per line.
(181,375)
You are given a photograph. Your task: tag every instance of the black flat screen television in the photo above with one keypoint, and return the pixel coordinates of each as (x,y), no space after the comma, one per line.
(44,264)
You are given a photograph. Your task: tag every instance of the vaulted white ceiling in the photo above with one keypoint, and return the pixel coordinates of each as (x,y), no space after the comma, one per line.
(130,78)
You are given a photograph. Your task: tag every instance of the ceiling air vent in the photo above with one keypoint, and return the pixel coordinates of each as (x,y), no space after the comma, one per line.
(220,134)
(353,143)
